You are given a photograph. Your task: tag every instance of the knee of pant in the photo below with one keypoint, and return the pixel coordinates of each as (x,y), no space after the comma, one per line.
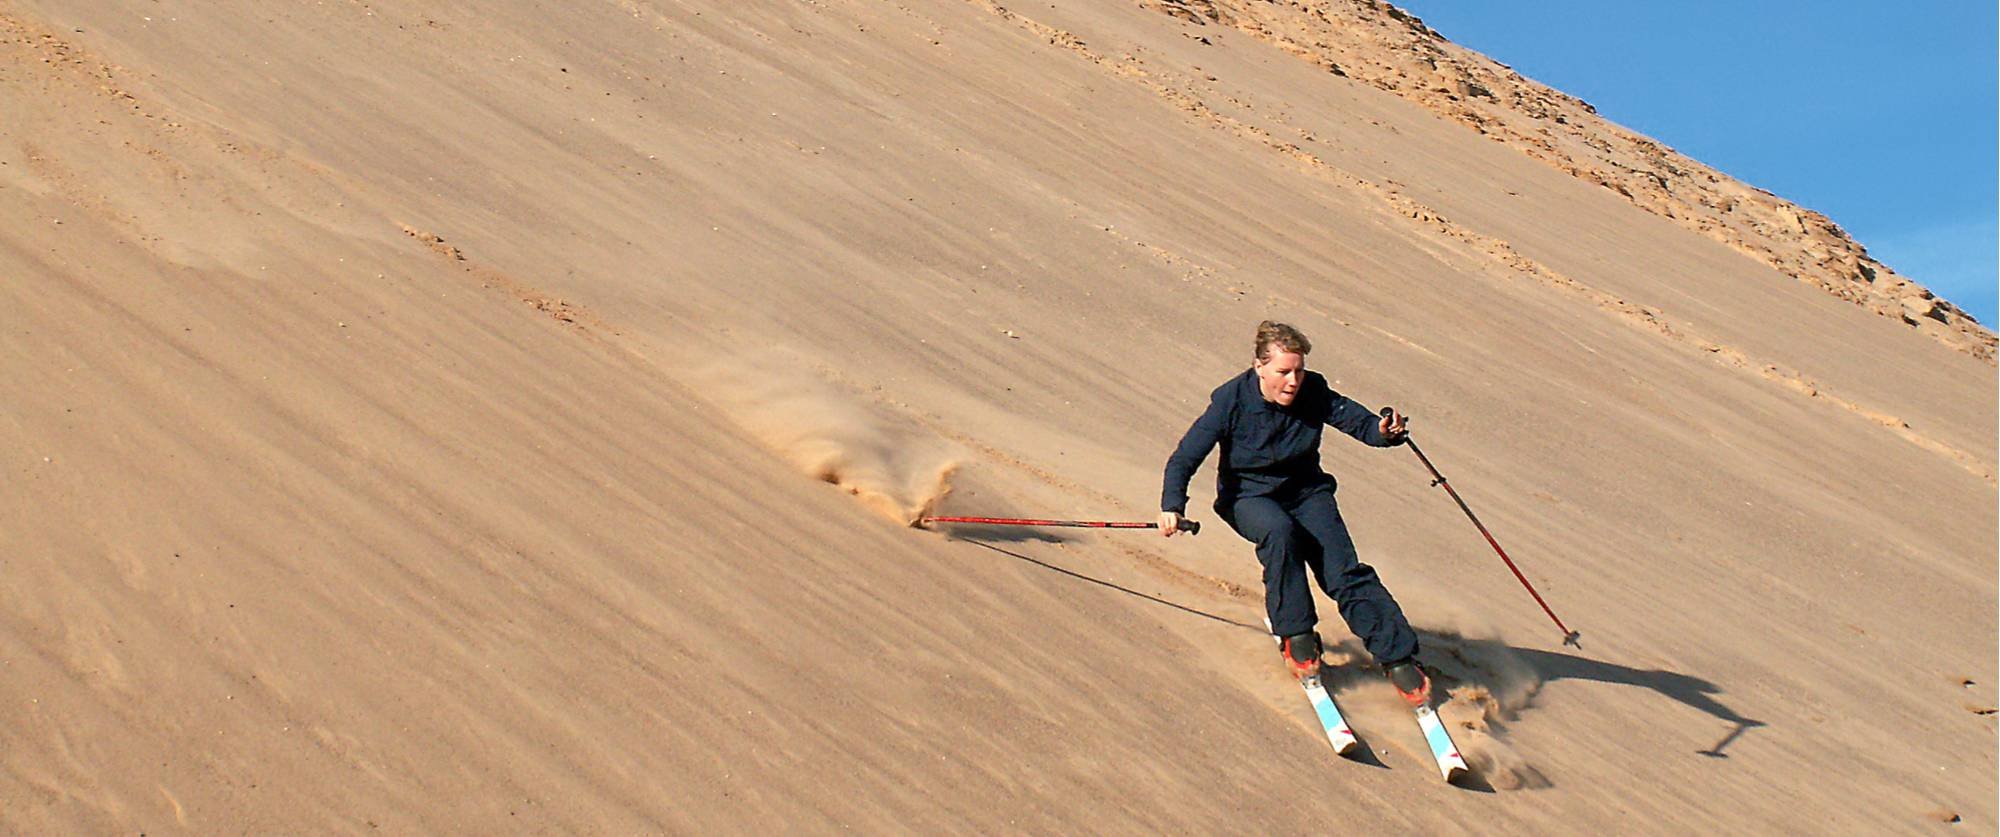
(1280,537)
(1358,576)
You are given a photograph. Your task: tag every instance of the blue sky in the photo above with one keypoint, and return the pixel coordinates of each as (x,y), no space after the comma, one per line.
(1881,115)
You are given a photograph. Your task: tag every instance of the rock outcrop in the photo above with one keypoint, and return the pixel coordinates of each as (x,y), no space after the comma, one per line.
(1376,43)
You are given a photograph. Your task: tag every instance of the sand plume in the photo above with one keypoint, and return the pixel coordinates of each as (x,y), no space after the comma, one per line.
(1481,682)
(830,435)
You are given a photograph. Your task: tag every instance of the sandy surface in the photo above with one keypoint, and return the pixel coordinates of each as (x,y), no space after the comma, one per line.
(414,417)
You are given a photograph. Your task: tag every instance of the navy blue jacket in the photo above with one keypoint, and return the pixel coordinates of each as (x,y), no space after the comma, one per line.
(1266,449)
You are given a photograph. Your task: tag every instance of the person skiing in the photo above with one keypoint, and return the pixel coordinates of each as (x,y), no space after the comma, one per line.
(1271,490)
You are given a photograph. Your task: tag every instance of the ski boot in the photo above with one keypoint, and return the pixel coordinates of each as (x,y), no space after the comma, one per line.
(1301,653)
(1410,681)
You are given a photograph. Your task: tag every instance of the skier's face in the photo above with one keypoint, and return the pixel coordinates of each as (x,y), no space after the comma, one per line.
(1279,375)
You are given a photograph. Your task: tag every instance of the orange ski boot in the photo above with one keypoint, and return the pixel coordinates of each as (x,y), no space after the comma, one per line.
(1302,654)
(1410,681)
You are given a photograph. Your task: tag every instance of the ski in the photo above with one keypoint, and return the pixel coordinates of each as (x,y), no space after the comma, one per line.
(1338,733)
(1449,762)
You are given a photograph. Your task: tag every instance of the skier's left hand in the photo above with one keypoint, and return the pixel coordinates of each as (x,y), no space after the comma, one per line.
(1394,425)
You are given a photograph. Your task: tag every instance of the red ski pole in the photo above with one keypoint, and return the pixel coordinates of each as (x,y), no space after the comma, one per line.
(1187,526)
(1569,637)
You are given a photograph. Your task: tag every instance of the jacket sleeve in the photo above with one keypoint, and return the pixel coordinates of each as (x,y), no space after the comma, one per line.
(1200,438)
(1348,416)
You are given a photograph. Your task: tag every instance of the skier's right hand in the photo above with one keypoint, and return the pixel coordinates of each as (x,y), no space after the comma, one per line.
(1170,523)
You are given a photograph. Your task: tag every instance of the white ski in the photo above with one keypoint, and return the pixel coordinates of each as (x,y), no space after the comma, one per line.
(1449,762)
(1338,733)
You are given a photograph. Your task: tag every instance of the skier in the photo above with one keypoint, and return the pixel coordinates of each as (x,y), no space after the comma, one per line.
(1271,490)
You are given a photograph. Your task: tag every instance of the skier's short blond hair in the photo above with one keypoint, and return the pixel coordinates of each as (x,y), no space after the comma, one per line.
(1282,336)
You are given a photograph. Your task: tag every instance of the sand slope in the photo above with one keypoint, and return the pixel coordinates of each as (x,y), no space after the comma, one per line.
(415,416)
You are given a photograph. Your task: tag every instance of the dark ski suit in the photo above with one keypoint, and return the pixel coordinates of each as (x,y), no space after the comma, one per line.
(1271,490)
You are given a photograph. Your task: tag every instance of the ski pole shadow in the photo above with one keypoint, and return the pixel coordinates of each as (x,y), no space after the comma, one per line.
(1716,752)
(978,533)
(1486,662)
(983,544)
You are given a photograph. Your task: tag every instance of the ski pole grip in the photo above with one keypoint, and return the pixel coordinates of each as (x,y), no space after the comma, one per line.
(1189,526)
(1389,414)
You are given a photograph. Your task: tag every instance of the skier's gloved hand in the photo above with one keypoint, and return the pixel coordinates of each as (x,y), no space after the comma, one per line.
(1170,523)
(1394,425)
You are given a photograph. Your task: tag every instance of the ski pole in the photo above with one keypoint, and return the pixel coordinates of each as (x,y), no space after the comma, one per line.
(1569,637)
(1188,526)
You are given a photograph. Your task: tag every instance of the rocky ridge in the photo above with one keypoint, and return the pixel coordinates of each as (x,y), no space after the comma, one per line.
(1381,45)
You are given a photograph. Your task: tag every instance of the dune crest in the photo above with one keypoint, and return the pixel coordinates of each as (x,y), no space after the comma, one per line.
(1384,46)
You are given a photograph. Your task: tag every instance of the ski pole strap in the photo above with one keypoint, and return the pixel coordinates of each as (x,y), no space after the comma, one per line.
(1188,526)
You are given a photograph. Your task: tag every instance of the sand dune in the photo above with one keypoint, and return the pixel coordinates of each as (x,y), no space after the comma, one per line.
(503,418)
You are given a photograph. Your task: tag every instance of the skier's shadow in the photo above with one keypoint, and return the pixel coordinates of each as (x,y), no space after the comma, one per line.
(1481,655)
(1480,661)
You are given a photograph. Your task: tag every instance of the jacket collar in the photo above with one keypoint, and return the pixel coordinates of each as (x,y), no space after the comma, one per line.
(1252,395)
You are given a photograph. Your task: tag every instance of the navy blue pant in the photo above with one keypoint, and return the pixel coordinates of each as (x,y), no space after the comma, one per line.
(1294,534)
